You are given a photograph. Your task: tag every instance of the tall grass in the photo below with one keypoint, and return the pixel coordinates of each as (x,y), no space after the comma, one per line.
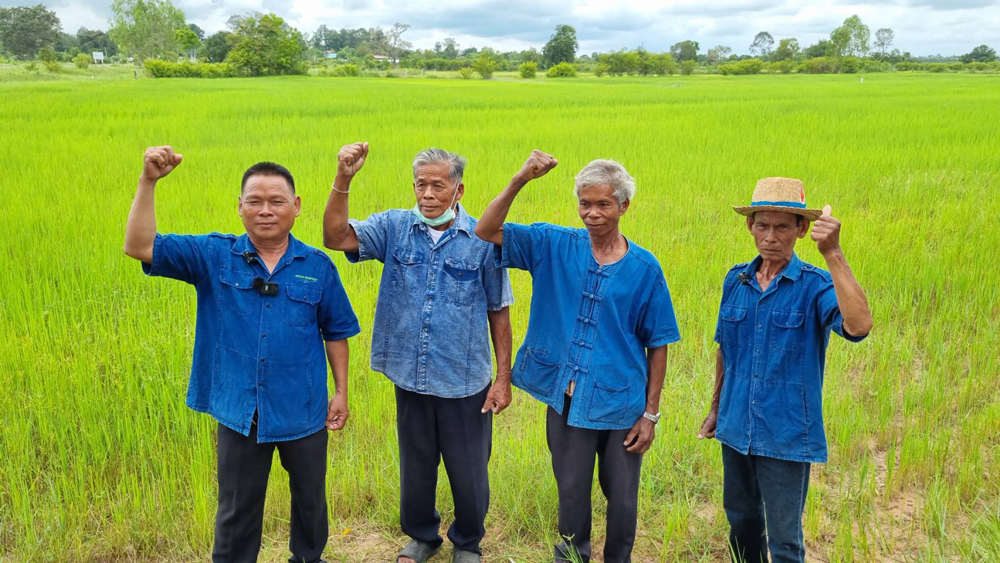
(102,461)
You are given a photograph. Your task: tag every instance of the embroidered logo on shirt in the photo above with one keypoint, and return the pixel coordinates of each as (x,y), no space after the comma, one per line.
(305,278)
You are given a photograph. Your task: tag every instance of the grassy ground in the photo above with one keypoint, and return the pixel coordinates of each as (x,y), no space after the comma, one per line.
(102,462)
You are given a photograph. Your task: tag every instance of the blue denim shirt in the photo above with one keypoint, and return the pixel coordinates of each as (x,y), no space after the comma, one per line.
(431,333)
(774,350)
(589,323)
(255,352)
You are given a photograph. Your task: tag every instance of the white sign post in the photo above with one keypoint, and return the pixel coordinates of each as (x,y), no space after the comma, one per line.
(98,57)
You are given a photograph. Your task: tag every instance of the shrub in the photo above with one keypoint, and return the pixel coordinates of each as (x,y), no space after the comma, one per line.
(52,66)
(906,66)
(485,65)
(528,70)
(32,66)
(391,74)
(163,69)
(47,55)
(345,70)
(784,67)
(747,66)
(465,73)
(850,65)
(82,60)
(561,70)
(820,65)
(601,69)
(687,67)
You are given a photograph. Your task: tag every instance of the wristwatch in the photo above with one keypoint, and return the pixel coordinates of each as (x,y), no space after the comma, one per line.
(652,417)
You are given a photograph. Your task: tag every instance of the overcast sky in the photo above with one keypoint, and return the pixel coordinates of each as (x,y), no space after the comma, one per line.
(922,27)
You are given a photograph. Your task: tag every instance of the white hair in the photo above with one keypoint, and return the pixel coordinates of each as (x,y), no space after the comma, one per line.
(456,164)
(606,172)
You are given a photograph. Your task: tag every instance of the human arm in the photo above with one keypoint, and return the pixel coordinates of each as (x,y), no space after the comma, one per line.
(851,298)
(140,230)
(643,432)
(708,425)
(499,396)
(338,234)
(490,225)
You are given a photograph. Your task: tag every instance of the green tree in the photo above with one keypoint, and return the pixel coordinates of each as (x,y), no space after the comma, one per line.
(718,53)
(187,40)
(787,50)
(485,64)
(263,44)
(145,28)
(216,46)
(24,30)
(851,39)
(199,32)
(528,69)
(762,44)
(664,64)
(530,56)
(47,55)
(883,40)
(82,60)
(395,46)
(561,47)
(822,48)
(96,41)
(981,54)
(688,66)
(685,50)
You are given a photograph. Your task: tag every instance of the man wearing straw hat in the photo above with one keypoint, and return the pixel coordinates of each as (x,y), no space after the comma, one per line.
(773,328)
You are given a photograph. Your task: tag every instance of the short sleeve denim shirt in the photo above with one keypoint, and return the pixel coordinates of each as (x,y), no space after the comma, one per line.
(431,332)
(589,323)
(255,352)
(774,352)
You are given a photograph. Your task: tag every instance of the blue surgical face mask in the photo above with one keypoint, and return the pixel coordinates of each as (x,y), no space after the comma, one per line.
(448,215)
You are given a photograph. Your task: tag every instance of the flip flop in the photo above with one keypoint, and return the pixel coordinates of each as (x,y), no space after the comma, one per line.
(418,551)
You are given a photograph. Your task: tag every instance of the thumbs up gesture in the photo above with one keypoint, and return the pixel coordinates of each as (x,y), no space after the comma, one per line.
(159,161)
(351,158)
(826,232)
(537,165)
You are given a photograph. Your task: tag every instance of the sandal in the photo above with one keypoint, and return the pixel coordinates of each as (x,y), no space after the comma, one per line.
(462,556)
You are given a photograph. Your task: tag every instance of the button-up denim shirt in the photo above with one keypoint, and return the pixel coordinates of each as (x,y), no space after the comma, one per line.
(255,352)
(589,323)
(774,351)
(431,333)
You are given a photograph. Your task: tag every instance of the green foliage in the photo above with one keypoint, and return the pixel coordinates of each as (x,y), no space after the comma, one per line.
(851,39)
(145,28)
(47,55)
(345,70)
(820,65)
(981,54)
(784,66)
(787,49)
(187,40)
(688,67)
(167,69)
(31,66)
(685,51)
(561,70)
(264,44)
(24,30)
(561,47)
(217,46)
(96,41)
(465,72)
(528,70)
(485,65)
(600,69)
(53,66)
(850,65)
(762,44)
(746,66)
(82,60)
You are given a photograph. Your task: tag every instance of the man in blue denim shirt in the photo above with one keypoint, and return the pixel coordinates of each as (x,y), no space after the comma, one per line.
(767,409)
(596,347)
(271,313)
(439,291)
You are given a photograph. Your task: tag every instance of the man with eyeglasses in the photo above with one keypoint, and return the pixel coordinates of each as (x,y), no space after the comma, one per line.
(271,314)
(440,289)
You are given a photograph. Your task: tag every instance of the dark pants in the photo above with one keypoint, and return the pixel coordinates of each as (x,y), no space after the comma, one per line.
(431,429)
(573,451)
(764,494)
(244,466)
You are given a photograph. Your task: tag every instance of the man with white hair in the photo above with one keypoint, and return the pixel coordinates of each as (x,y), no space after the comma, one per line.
(596,347)
(439,289)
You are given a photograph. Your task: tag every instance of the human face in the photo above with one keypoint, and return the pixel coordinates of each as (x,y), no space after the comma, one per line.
(599,209)
(434,189)
(775,233)
(268,207)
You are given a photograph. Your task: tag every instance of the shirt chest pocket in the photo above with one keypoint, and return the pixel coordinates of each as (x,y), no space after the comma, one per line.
(733,325)
(409,270)
(787,331)
(460,281)
(236,293)
(302,304)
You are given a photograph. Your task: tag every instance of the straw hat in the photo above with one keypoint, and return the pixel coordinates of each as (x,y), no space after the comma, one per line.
(779,194)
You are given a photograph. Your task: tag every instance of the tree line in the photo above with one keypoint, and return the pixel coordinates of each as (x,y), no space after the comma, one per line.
(264,44)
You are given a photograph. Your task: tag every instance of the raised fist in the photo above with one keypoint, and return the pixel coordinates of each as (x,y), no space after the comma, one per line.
(351,158)
(537,165)
(826,231)
(159,161)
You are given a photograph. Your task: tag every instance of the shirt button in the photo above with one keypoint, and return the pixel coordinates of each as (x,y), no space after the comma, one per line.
(753,402)
(263,335)
(268,305)
(261,384)
(262,360)
(760,326)
(757,352)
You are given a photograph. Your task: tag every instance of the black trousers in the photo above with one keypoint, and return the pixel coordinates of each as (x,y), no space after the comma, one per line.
(573,451)
(431,429)
(244,466)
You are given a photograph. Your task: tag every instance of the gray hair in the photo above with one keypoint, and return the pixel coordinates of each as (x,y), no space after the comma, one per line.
(606,172)
(456,163)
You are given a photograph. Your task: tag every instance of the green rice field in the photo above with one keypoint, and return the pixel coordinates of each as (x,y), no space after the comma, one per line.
(101,461)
